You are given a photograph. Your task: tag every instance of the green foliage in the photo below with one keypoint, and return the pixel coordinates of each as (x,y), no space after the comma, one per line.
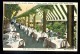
(10,8)
(37,27)
(59,27)
(49,26)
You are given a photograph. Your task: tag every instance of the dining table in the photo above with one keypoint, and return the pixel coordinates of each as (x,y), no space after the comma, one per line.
(57,42)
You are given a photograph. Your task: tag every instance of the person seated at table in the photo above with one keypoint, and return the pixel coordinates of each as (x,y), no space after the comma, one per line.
(59,34)
(12,22)
(17,24)
(51,33)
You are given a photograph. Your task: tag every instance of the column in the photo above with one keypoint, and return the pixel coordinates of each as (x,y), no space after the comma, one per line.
(70,25)
(34,21)
(44,21)
(28,21)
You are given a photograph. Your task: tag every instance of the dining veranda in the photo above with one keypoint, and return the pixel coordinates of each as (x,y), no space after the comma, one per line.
(43,26)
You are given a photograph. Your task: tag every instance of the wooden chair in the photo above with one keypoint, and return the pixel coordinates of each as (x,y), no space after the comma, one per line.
(21,44)
(63,44)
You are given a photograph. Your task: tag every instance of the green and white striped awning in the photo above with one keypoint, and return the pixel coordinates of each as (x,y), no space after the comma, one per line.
(59,13)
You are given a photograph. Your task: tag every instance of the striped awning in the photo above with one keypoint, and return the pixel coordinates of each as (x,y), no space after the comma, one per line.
(59,13)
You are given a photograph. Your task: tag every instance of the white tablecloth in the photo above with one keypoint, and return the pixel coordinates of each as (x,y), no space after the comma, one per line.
(25,29)
(11,35)
(17,24)
(11,28)
(39,35)
(15,44)
(57,41)
(30,31)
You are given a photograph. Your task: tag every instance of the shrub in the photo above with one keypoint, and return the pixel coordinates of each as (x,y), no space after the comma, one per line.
(59,27)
